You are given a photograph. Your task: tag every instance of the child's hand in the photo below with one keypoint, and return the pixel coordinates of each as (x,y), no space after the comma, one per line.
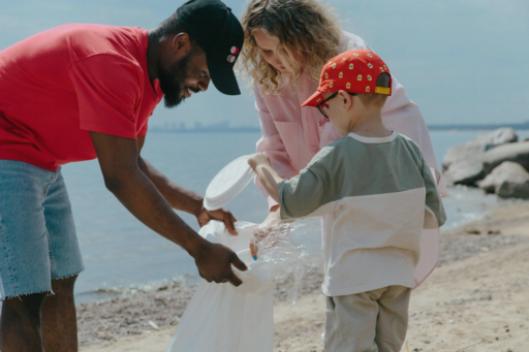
(266,175)
(258,159)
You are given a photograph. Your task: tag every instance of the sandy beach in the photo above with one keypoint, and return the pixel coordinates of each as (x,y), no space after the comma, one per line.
(476,301)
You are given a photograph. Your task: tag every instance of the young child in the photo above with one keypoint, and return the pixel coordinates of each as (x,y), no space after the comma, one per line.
(375,193)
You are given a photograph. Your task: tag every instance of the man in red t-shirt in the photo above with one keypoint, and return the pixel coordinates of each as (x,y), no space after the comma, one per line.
(79,92)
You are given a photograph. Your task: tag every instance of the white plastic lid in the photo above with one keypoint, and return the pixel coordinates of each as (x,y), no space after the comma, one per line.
(228,183)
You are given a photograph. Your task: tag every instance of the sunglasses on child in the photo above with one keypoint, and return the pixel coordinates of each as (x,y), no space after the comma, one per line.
(324,105)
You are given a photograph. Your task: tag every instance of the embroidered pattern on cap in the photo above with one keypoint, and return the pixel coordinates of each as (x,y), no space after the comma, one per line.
(355,71)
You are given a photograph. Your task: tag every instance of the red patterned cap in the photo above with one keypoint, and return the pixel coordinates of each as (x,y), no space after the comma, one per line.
(354,71)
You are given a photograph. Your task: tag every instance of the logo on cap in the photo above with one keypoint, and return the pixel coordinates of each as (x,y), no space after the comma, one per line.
(234,51)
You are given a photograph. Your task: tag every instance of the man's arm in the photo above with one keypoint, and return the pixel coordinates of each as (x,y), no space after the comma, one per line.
(180,198)
(119,161)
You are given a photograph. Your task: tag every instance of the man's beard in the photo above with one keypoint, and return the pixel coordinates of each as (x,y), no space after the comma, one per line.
(171,82)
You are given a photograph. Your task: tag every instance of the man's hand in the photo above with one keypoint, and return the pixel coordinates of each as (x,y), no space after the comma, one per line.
(204,216)
(214,263)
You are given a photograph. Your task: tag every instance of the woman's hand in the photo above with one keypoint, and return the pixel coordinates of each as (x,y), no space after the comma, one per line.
(269,225)
(268,232)
(272,220)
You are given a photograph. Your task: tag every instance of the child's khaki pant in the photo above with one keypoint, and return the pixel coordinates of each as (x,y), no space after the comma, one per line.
(373,321)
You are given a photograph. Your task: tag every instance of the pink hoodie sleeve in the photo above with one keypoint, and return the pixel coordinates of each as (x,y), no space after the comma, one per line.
(271,144)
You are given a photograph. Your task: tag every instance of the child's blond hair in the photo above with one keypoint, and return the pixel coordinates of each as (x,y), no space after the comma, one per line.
(378,100)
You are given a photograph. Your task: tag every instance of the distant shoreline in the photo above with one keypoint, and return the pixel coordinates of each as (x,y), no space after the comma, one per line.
(515,126)
(249,129)
(205,130)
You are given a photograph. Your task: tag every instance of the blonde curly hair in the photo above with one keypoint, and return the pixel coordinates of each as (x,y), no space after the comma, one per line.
(306,30)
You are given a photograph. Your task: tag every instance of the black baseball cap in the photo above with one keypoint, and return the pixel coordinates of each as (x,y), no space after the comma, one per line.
(219,33)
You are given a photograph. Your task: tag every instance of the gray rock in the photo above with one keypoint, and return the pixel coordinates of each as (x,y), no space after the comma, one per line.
(463,164)
(499,137)
(461,153)
(514,190)
(465,172)
(479,145)
(515,152)
(505,172)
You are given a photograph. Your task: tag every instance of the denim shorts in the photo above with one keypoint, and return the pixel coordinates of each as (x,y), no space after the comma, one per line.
(38,242)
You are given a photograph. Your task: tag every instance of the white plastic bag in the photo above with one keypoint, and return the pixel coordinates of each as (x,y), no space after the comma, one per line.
(221,319)
(225,318)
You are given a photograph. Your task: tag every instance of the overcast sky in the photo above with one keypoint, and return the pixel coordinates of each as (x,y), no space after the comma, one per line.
(462,61)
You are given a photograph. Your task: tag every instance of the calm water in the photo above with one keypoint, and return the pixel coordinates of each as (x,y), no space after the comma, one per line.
(119,251)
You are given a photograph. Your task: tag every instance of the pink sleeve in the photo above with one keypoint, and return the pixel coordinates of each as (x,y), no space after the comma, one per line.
(108,94)
(271,143)
(403,115)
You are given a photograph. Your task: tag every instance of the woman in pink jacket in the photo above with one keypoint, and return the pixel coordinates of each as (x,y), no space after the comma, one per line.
(287,43)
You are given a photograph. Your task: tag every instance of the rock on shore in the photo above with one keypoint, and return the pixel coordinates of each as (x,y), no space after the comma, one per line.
(495,162)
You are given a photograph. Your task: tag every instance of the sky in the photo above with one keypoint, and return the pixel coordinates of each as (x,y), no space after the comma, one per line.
(461,61)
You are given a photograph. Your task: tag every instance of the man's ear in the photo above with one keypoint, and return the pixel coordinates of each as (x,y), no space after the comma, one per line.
(180,44)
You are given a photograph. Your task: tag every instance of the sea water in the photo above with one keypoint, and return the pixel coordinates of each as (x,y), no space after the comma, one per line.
(119,251)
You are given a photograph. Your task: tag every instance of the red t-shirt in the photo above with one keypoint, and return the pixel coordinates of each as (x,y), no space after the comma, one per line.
(60,84)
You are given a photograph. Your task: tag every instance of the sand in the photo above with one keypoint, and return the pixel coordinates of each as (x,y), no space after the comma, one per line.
(476,301)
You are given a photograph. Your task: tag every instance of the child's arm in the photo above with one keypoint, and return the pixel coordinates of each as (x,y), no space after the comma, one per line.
(267,176)
(269,179)
(307,192)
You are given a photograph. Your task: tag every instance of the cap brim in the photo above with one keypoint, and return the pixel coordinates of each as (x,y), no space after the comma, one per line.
(223,77)
(314,100)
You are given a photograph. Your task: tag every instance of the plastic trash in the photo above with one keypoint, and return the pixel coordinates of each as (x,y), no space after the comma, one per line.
(225,318)
(222,317)
(228,183)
